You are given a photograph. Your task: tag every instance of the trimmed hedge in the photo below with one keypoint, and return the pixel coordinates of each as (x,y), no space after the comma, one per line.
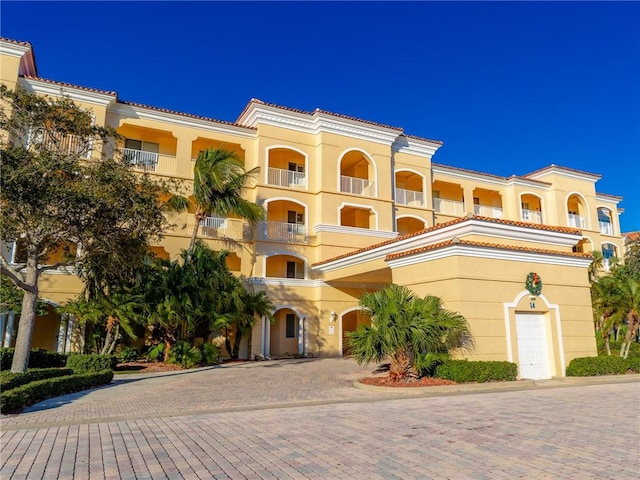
(464,371)
(591,366)
(37,359)
(91,363)
(634,364)
(14,400)
(10,380)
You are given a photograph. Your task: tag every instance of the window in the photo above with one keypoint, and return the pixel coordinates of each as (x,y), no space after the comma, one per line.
(295,217)
(140,153)
(608,251)
(291,327)
(295,270)
(294,167)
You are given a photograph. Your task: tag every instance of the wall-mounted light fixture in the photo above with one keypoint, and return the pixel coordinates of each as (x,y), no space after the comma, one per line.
(333,317)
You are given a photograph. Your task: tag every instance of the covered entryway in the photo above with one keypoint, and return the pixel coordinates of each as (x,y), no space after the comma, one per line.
(350,321)
(533,354)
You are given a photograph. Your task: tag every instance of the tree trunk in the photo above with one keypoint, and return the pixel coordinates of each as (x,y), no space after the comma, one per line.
(169,340)
(401,367)
(27,315)
(633,321)
(227,343)
(236,344)
(606,343)
(115,339)
(198,217)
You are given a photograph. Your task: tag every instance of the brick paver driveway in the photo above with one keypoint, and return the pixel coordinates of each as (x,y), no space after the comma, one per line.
(303,419)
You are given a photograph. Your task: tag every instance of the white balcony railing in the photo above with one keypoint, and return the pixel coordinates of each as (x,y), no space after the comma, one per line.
(532,216)
(606,227)
(283,232)
(487,211)
(409,197)
(62,144)
(220,227)
(359,186)
(448,207)
(576,221)
(151,162)
(286,178)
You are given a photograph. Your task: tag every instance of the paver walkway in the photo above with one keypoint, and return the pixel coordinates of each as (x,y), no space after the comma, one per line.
(303,419)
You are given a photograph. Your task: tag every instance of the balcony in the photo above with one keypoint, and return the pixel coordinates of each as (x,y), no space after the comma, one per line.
(286,178)
(221,227)
(576,221)
(606,228)
(283,232)
(409,197)
(487,211)
(357,186)
(532,216)
(448,207)
(151,162)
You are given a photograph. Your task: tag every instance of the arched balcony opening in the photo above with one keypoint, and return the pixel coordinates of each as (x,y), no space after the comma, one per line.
(149,150)
(406,225)
(358,217)
(233,262)
(487,203)
(609,255)
(285,266)
(216,226)
(531,208)
(286,168)
(349,322)
(286,222)
(448,198)
(577,211)
(583,246)
(357,174)
(284,335)
(160,252)
(409,189)
(605,221)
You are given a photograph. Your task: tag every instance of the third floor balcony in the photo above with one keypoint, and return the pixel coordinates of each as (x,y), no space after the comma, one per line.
(448,207)
(151,162)
(577,221)
(409,197)
(357,186)
(283,232)
(287,178)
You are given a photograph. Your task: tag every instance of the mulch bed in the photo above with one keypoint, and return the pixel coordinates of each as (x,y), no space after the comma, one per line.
(144,367)
(422,382)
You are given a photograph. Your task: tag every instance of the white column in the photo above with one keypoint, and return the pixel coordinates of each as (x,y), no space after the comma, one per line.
(300,336)
(62,333)
(2,325)
(306,336)
(8,335)
(263,335)
(70,322)
(267,339)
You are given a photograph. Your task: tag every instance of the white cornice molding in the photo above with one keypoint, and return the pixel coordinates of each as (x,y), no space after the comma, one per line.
(285,282)
(317,122)
(77,94)
(13,49)
(554,170)
(136,111)
(486,178)
(492,253)
(460,230)
(415,147)
(361,232)
(603,197)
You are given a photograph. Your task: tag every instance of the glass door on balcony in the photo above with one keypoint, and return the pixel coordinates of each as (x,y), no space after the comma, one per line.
(297,177)
(141,154)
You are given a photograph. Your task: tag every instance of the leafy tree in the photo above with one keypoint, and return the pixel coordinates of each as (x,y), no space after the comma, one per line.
(243,316)
(218,183)
(54,191)
(405,328)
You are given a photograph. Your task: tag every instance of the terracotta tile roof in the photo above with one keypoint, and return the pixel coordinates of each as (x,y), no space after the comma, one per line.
(553,165)
(457,241)
(182,114)
(415,137)
(551,228)
(632,236)
(70,85)
(475,172)
(17,42)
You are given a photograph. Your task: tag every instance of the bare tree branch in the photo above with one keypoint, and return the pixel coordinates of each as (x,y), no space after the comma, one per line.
(56,265)
(15,277)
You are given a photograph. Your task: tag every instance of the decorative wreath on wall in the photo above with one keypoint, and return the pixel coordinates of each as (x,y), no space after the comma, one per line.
(533,283)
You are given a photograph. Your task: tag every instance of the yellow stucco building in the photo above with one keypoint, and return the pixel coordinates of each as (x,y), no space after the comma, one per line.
(353,205)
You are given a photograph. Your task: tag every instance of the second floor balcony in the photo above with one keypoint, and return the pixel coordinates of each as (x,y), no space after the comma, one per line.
(357,186)
(577,221)
(151,162)
(221,227)
(532,216)
(487,211)
(409,197)
(287,178)
(606,228)
(448,207)
(283,232)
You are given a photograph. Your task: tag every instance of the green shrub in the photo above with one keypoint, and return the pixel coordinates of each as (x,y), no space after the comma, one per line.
(156,353)
(634,349)
(210,354)
(182,353)
(14,400)
(634,364)
(464,371)
(127,354)
(590,366)
(10,380)
(91,363)
(37,359)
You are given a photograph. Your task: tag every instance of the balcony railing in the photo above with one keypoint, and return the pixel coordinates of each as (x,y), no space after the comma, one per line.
(150,161)
(606,227)
(62,144)
(448,207)
(220,227)
(283,232)
(409,197)
(286,178)
(359,186)
(576,221)
(532,216)
(487,211)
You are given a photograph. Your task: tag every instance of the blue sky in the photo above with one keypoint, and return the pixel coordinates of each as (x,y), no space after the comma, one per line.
(509,87)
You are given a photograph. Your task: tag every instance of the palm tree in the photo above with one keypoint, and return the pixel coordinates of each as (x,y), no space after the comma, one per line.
(403,327)
(604,301)
(628,309)
(249,307)
(218,182)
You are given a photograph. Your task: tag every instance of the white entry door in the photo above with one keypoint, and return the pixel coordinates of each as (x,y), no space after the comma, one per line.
(533,356)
